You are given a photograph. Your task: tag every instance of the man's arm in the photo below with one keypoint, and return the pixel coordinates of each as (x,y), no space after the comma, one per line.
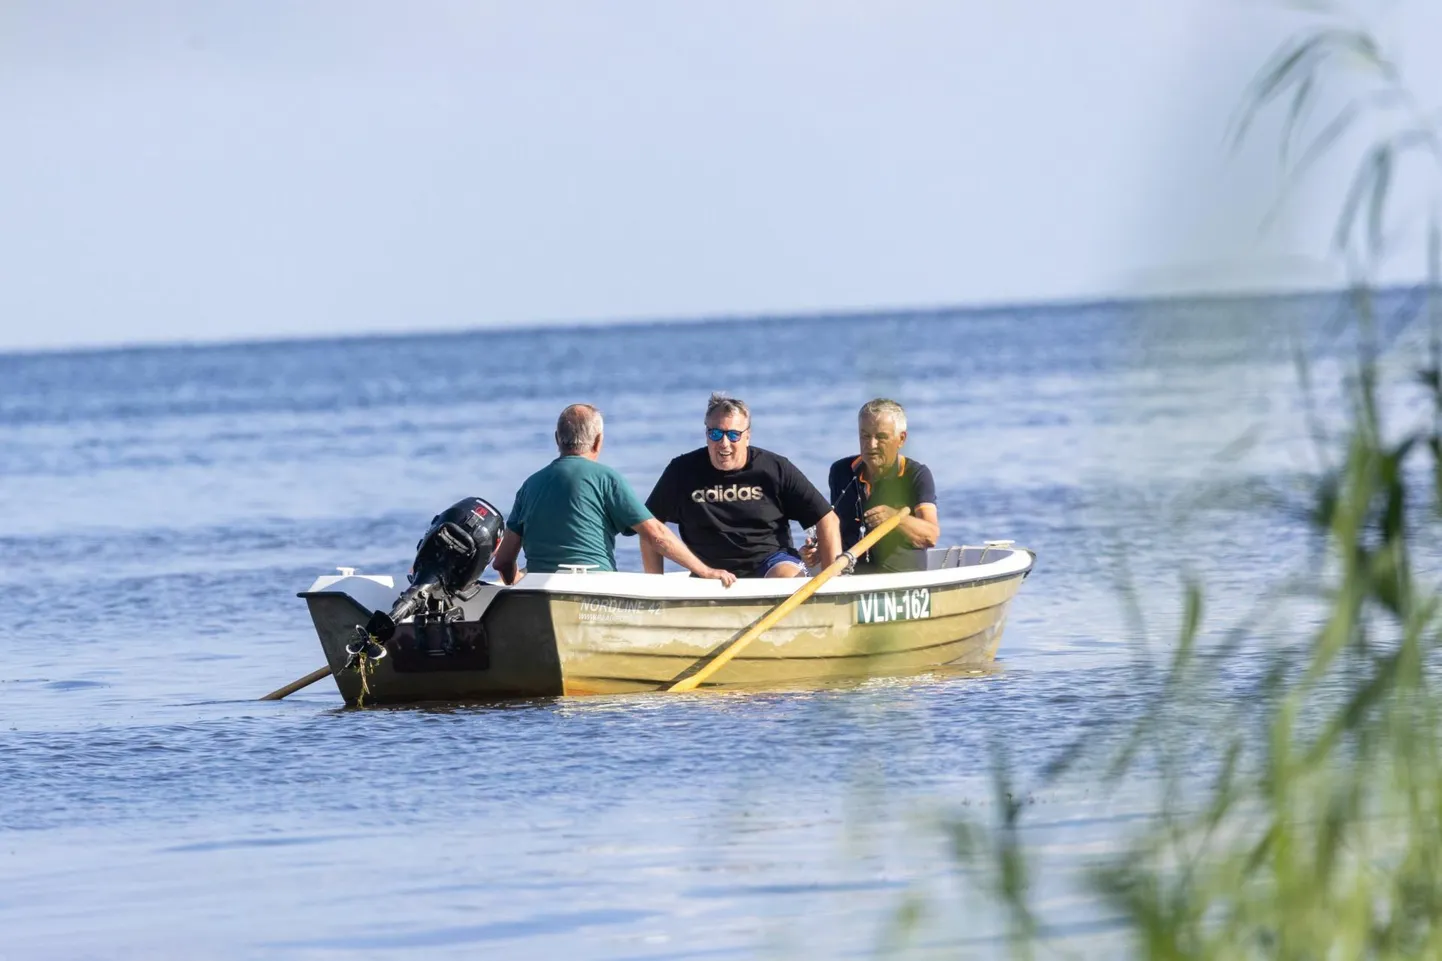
(828,540)
(801,500)
(651,560)
(660,505)
(920,528)
(504,560)
(658,542)
(923,527)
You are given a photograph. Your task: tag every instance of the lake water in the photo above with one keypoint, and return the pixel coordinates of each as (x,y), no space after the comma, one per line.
(159,508)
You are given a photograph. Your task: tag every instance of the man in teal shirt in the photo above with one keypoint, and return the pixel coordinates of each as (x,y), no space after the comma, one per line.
(570,511)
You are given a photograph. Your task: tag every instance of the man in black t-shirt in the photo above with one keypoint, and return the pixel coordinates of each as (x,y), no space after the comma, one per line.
(734,503)
(868,488)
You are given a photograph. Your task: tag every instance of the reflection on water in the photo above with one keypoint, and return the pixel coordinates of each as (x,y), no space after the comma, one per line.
(160,508)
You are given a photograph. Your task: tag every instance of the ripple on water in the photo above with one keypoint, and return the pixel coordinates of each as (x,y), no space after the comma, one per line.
(151,807)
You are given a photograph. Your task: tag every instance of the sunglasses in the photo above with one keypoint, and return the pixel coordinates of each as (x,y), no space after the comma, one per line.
(715,434)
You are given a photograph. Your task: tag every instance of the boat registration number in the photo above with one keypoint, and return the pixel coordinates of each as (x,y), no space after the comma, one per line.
(880,607)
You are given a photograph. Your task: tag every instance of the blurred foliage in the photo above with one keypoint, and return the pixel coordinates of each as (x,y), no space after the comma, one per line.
(1316,830)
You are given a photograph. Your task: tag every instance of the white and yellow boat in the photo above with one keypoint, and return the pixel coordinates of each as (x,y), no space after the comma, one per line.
(578,632)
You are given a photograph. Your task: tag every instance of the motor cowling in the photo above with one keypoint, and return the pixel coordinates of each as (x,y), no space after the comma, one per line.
(458,545)
(450,557)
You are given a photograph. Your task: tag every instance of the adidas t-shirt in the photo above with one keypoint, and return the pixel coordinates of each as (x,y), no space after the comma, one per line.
(734,520)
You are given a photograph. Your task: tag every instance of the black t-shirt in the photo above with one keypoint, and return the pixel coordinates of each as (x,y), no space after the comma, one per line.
(911,486)
(736,519)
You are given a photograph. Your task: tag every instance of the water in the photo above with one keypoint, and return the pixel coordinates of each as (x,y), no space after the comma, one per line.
(159,508)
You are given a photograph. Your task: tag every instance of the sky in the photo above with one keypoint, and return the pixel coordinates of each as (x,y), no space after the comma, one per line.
(238,169)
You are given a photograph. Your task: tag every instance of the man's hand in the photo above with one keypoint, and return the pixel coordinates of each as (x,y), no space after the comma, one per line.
(811,553)
(716,574)
(877,516)
(504,560)
(921,529)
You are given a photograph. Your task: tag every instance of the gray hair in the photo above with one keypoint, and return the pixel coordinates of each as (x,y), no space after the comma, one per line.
(577,428)
(884,407)
(723,406)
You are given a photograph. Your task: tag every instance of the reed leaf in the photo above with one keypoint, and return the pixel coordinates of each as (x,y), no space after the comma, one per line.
(1327,137)
(1364,184)
(1289,67)
(1321,832)
(1296,115)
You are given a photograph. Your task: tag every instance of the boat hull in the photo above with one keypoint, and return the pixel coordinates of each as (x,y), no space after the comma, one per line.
(509,653)
(622,633)
(606,647)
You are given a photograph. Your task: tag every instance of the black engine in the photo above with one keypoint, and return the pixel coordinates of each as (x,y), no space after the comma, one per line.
(449,560)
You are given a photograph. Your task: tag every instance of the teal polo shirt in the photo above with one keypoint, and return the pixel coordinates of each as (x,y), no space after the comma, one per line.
(570,511)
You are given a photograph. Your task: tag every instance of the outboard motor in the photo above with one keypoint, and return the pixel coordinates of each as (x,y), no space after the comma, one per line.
(449,560)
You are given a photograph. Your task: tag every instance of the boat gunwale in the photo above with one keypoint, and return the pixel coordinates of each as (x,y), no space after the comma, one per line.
(680,588)
(557,592)
(677,587)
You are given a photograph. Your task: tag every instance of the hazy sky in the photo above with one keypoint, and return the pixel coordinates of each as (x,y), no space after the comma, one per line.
(253,168)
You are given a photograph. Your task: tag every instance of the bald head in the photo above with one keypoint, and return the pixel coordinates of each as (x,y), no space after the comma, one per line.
(578,429)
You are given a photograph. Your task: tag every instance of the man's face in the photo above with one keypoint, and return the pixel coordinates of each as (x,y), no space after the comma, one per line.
(728,454)
(880,441)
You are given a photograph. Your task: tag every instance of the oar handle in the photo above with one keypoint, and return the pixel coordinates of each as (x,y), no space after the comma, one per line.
(294,686)
(769,619)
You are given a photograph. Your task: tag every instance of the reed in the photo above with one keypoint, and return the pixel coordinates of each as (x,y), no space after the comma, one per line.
(1317,832)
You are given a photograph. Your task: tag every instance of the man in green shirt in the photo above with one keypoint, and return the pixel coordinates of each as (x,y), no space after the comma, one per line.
(570,511)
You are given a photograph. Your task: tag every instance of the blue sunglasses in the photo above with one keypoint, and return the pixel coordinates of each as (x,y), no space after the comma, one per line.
(715,434)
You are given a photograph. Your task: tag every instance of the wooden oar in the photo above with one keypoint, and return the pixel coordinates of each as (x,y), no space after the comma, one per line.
(294,686)
(769,619)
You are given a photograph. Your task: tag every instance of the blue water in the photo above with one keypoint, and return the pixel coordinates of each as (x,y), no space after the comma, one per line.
(160,507)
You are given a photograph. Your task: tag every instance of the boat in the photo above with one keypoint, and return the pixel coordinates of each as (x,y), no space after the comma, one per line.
(584,632)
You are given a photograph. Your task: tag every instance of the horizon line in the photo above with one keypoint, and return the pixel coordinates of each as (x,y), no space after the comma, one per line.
(852,313)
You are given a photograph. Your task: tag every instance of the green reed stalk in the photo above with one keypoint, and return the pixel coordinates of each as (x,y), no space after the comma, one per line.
(1321,835)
